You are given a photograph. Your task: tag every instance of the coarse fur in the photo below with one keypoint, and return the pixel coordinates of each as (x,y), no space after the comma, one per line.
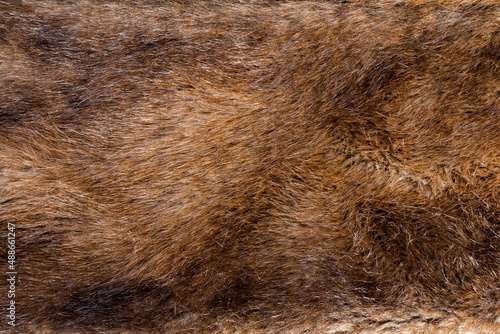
(251,167)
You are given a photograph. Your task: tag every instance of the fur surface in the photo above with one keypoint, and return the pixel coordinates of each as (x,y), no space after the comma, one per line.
(251,167)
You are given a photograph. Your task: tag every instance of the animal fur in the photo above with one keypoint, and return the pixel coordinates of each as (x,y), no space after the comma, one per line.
(251,167)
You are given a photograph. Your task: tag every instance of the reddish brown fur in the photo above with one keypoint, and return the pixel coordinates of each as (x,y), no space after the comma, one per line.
(197,167)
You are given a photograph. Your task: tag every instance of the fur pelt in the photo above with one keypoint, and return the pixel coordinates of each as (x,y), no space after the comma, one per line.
(251,167)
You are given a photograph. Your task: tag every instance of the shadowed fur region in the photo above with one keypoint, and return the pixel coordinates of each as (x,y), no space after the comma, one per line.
(251,166)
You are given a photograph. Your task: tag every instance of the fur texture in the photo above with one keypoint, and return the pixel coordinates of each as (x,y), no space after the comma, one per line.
(251,167)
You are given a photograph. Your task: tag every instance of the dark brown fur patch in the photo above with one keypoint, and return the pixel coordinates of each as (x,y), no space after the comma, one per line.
(261,166)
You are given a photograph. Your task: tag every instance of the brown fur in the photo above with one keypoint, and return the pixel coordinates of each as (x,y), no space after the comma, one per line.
(265,166)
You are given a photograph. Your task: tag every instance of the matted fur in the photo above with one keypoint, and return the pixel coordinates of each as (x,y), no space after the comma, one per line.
(251,167)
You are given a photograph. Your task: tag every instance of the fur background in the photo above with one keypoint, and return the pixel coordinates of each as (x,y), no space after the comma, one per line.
(251,166)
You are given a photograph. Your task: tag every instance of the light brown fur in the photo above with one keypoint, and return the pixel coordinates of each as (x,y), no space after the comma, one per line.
(270,167)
